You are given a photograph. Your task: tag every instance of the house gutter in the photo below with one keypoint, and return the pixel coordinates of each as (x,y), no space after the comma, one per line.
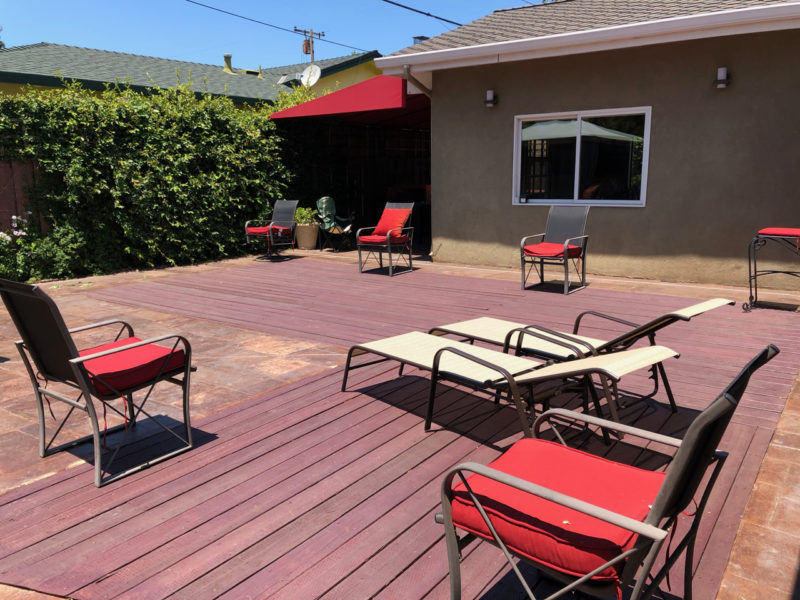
(410,78)
(675,29)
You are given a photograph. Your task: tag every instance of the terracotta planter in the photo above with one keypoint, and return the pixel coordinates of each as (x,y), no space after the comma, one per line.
(306,235)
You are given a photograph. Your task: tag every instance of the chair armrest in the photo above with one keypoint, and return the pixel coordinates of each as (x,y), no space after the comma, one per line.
(554,337)
(604,423)
(594,313)
(401,229)
(254,221)
(484,363)
(577,237)
(358,233)
(637,527)
(124,324)
(178,339)
(524,241)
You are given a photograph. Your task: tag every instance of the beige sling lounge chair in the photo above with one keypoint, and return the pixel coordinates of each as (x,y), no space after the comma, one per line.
(541,342)
(487,369)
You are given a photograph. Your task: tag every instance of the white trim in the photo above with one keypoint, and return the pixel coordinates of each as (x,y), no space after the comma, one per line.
(675,29)
(578,114)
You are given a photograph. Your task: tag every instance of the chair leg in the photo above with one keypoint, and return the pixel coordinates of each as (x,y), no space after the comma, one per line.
(566,275)
(360,263)
(522,263)
(389,253)
(431,396)
(453,558)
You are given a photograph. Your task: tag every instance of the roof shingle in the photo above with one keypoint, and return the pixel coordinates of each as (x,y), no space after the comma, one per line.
(570,16)
(45,63)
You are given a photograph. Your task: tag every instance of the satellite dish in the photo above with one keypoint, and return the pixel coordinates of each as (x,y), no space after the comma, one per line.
(310,75)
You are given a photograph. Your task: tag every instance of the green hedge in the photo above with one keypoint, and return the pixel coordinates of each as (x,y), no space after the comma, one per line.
(128,180)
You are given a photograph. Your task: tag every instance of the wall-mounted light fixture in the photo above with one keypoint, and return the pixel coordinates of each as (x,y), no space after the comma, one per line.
(491,98)
(723,78)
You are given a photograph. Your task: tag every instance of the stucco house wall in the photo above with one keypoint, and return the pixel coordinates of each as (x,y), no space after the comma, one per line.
(723,162)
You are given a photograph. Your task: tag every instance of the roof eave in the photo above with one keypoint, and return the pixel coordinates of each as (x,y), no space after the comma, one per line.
(676,29)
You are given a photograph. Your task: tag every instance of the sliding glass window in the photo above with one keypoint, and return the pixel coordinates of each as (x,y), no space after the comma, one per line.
(589,157)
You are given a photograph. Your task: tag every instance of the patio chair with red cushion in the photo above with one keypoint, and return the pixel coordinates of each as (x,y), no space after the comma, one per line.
(564,240)
(279,232)
(390,235)
(588,522)
(103,375)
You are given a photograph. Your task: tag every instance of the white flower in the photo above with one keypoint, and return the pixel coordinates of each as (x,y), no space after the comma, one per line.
(4,236)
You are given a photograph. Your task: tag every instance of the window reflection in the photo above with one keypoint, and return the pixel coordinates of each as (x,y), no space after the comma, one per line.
(611,157)
(548,159)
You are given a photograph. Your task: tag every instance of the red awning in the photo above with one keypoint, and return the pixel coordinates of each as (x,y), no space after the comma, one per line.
(380,100)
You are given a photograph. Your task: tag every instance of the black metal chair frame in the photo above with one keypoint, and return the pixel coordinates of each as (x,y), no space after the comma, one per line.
(392,249)
(790,243)
(282,216)
(696,459)
(39,322)
(565,224)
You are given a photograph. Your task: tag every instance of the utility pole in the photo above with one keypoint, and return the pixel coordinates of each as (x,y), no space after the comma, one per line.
(308,43)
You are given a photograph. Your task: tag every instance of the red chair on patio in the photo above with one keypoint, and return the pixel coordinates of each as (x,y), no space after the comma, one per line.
(593,524)
(564,240)
(390,235)
(279,232)
(119,375)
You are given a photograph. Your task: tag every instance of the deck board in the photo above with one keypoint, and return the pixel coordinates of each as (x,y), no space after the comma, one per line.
(306,491)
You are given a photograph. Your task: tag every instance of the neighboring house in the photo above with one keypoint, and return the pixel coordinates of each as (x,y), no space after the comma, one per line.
(47,65)
(689,120)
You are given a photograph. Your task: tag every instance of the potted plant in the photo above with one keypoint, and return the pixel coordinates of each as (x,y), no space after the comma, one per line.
(306,228)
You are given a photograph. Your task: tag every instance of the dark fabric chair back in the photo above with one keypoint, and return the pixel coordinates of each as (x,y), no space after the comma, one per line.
(565,222)
(702,439)
(41,328)
(326,210)
(283,213)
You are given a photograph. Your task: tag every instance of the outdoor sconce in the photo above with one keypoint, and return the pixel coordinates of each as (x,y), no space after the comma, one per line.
(723,79)
(491,98)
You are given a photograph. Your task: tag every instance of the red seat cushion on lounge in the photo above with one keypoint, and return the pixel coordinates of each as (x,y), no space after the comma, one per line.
(380,240)
(392,218)
(553,535)
(277,231)
(780,231)
(129,368)
(551,250)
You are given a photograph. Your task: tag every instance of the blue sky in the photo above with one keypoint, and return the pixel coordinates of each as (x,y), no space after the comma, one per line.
(181,30)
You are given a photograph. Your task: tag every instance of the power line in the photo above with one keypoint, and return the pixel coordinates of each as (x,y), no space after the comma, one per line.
(232,14)
(422,12)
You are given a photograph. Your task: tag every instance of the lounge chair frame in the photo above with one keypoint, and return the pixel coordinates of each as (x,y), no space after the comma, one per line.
(559,346)
(282,217)
(61,363)
(567,225)
(491,371)
(696,457)
(398,253)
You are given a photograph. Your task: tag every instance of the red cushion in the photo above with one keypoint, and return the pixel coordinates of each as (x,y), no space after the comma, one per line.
(392,218)
(129,368)
(277,231)
(551,250)
(780,231)
(380,240)
(548,533)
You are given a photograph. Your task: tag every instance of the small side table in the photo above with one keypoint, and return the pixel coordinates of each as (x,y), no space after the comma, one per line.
(786,237)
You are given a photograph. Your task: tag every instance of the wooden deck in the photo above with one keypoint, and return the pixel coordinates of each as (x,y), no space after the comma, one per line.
(306,491)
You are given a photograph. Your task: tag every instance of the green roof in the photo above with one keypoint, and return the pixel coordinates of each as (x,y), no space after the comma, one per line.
(47,64)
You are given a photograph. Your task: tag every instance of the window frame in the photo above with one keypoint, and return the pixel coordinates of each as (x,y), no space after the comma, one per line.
(578,115)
